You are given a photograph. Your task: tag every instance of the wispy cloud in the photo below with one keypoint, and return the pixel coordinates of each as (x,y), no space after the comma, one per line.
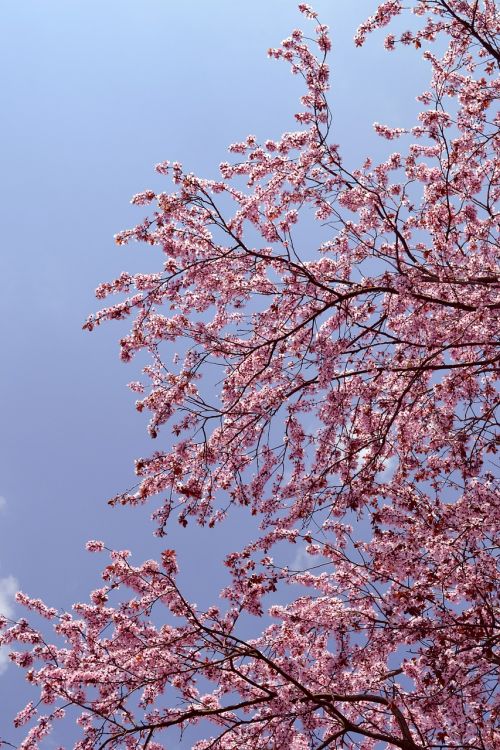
(8,587)
(303,559)
(3,503)
(4,659)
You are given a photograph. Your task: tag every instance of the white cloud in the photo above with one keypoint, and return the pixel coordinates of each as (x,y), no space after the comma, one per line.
(389,468)
(303,559)
(8,588)
(3,503)
(4,659)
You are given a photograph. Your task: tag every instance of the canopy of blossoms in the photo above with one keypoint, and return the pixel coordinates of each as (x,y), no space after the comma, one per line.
(355,414)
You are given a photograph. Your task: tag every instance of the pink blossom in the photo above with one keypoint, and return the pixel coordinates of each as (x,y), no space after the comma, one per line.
(351,316)
(94,545)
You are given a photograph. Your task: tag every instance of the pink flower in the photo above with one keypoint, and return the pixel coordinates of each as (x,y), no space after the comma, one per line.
(94,546)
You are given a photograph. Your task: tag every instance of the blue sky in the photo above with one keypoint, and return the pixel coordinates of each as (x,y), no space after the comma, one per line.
(94,94)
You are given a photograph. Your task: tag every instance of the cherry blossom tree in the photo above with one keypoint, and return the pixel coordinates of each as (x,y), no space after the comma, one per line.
(349,318)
